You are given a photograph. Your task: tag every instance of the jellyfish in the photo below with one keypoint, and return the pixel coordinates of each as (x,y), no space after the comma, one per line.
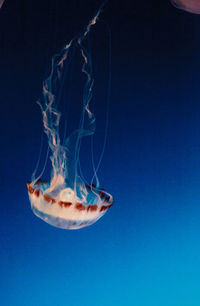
(1,3)
(192,6)
(67,201)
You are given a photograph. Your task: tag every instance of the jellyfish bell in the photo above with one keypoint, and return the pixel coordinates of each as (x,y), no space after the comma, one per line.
(192,6)
(64,209)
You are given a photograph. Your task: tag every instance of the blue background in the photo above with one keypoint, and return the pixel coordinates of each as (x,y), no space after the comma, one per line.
(146,250)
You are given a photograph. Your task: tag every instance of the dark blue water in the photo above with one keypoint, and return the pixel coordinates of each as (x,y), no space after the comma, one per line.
(146,249)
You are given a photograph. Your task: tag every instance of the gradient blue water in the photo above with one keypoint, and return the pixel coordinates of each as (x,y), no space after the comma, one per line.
(146,250)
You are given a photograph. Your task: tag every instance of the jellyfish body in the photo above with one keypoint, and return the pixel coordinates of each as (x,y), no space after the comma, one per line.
(67,201)
(192,6)
(64,209)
